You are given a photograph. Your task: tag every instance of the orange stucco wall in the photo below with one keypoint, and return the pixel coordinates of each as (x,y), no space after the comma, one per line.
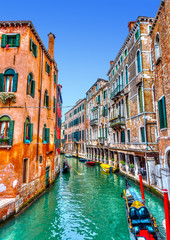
(23,62)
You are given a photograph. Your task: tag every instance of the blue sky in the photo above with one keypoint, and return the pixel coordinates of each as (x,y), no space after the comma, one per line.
(89,33)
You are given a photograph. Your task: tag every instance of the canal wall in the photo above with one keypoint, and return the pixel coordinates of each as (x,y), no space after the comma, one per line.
(28,193)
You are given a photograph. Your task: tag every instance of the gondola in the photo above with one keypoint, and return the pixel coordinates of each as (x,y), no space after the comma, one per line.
(66,167)
(67,155)
(82,160)
(141,223)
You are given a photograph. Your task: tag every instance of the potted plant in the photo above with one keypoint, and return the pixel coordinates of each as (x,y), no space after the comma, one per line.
(4,139)
(122,162)
(4,96)
(131,168)
(112,159)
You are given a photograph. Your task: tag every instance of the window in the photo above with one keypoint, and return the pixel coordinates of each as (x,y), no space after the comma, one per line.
(55,78)
(122,79)
(82,134)
(8,81)
(117,137)
(162,113)
(46,99)
(54,104)
(121,59)
(116,67)
(140,99)
(33,48)
(127,106)
(114,138)
(138,63)
(28,131)
(142,134)
(128,135)
(48,69)
(113,72)
(40,159)
(96,88)
(125,52)
(123,136)
(137,35)
(157,47)
(105,94)
(6,130)
(150,27)
(127,80)
(25,170)
(46,134)
(105,132)
(30,85)
(10,40)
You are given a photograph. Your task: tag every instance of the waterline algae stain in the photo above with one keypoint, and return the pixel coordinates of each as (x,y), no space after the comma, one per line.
(79,207)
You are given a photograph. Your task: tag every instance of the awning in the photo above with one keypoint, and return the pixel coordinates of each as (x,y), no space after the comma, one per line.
(94,109)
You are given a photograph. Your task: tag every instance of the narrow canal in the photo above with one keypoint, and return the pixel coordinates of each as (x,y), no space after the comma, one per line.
(78,207)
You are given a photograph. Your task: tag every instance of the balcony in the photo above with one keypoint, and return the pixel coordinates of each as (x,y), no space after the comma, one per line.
(94,122)
(116,91)
(101,140)
(117,122)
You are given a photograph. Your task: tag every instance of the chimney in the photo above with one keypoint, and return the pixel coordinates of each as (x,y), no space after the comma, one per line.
(130,25)
(51,37)
(111,63)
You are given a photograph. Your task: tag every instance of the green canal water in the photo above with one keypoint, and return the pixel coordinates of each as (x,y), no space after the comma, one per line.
(78,207)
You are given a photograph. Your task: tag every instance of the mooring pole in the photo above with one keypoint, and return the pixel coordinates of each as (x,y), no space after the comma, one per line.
(166,207)
(141,186)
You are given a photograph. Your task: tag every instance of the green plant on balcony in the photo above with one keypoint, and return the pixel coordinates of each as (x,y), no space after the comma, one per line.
(122,162)
(5,96)
(106,158)
(112,159)
(102,157)
(131,165)
(4,139)
(112,119)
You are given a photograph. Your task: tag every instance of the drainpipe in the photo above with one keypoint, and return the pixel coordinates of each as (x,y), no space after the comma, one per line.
(143,103)
(39,111)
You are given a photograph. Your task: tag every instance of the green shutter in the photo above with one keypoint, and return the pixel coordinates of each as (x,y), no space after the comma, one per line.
(139,62)
(31,131)
(1,82)
(54,105)
(164,112)
(123,136)
(25,125)
(3,40)
(11,132)
(106,132)
(55,78)
(141,99)
(15,82)
(31,44)
(55,136)
(46,67)
(44,134)
(17,40)
(36,51)
(32,88)
(47,135)
(47,101)
(103,111)
(142,134)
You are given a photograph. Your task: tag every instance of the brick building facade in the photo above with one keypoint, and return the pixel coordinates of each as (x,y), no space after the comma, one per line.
(28,93)
(160,36)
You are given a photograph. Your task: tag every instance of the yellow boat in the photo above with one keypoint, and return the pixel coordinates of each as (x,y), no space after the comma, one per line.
(107,168)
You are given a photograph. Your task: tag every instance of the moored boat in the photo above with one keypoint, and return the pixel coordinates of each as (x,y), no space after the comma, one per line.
(107,168)
(82,160)
(67,155)
(141,223)
(66,167)
(90,163)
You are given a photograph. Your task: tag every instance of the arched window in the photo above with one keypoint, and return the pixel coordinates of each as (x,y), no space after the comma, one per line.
(168,159)
(6,130)
(28,130)
(119,89)
(30,85)
(157,47)
(46,99)
(127,80)
(8,81)
(140,99)
(138,62)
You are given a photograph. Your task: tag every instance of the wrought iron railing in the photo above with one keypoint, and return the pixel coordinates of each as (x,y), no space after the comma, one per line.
(116,91)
